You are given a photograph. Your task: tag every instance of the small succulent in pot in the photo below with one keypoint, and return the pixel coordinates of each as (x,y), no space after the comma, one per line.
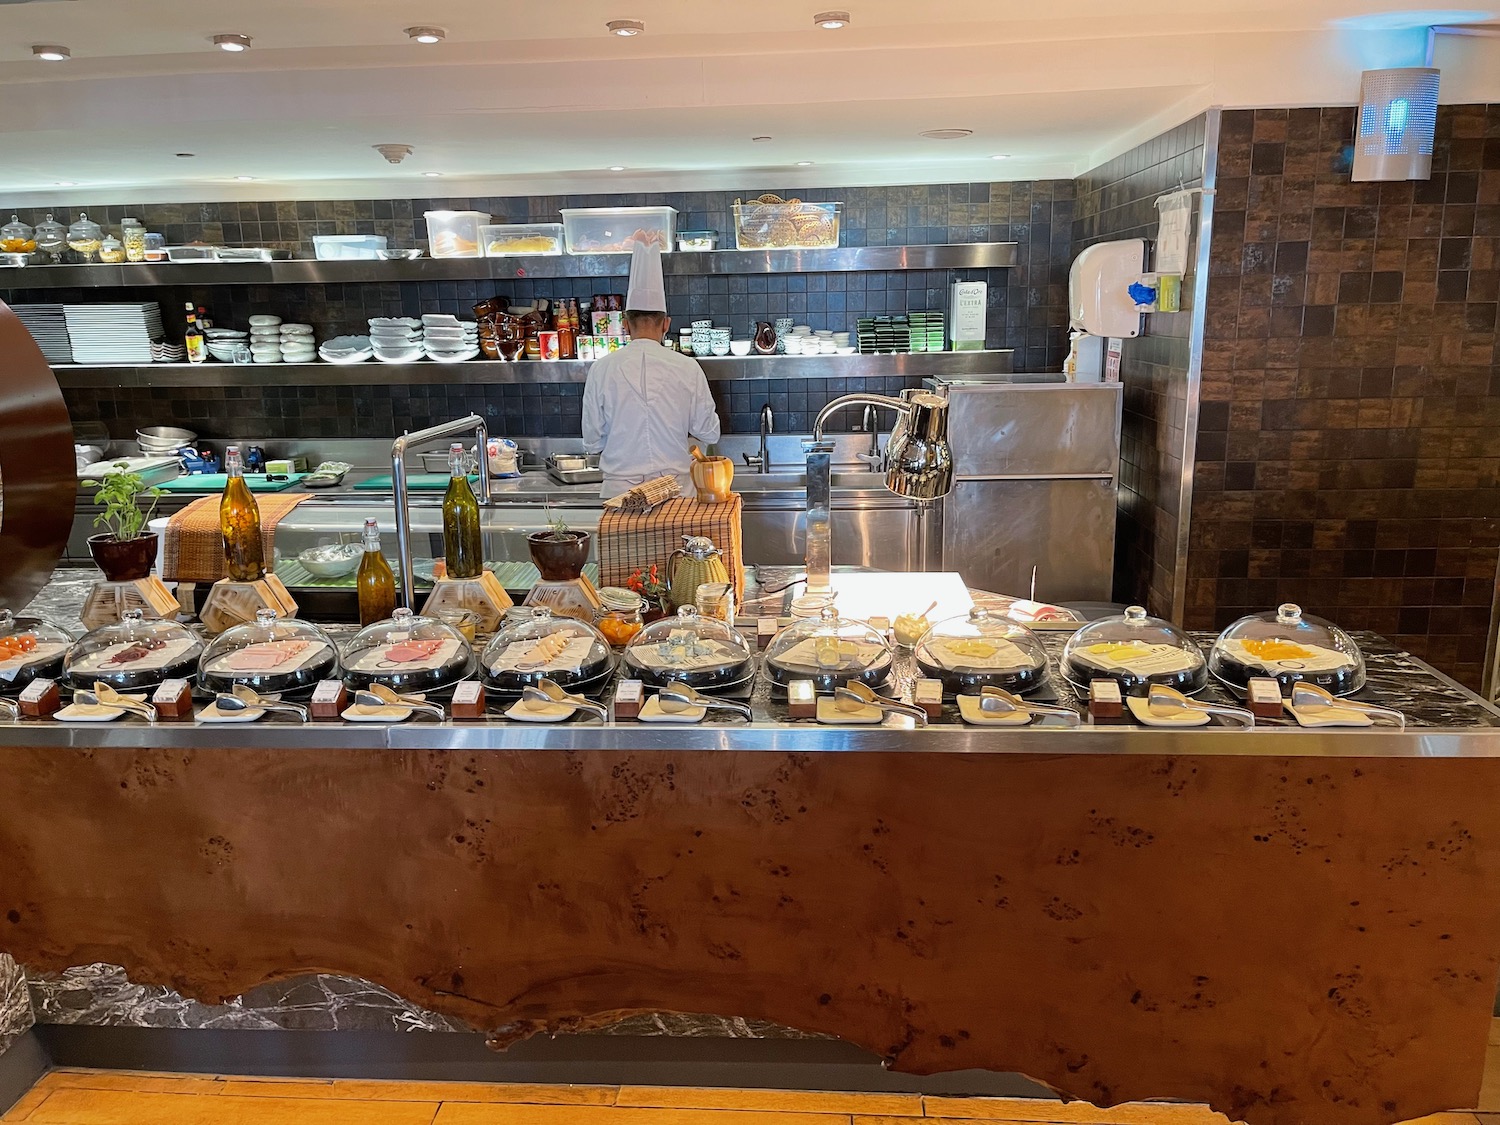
(124,551)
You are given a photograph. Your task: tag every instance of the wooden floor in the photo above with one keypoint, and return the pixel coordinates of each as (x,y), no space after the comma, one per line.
(92,1097)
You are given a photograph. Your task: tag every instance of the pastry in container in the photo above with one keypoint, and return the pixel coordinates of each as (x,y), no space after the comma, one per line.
(540,646)
(1135,650)
(30,649)
(1289,647)
(829,650)
(271,655)
(408,653)
(133,654)
(982,650)
(701,652)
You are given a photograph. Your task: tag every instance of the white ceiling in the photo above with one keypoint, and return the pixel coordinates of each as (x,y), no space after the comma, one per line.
(529,97)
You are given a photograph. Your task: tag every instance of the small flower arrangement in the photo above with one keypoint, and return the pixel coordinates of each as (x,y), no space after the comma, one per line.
(650,585)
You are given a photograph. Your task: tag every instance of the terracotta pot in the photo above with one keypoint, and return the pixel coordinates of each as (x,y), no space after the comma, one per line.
(559,560)
(127,561)
(712,478)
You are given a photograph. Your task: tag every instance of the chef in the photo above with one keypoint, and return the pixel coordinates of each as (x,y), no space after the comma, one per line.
(644,405)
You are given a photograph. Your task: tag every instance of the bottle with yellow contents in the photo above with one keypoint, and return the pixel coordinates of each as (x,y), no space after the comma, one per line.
(375,582)
(239,523)
(462,545)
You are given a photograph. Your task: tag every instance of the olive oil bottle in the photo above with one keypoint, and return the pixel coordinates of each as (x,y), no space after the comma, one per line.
(239,523)
(461,541)
(375,582)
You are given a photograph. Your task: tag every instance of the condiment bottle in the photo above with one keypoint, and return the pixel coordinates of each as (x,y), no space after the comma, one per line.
(239,524)
(375,582)
(193,341)
(462,546)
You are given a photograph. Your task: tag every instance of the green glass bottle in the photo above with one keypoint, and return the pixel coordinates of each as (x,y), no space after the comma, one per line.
(462,544)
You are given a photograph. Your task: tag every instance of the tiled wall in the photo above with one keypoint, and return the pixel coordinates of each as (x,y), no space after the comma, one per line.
(1118,200)
(1349,445)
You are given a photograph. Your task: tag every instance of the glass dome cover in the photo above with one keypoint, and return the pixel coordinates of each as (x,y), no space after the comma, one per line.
(408,653)
(50,235)
(133,653)
(542,646)
(981,650)
(269,654)
(701,652)
(1135,650)
(1288,646)
(829,650)
(30,649)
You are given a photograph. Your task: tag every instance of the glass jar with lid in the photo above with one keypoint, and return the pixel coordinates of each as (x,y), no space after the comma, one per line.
(546,646)
(1288,646)
(51,238)
(30,649)
(269,654)
(688,648)
(155,246)
(16,237)
(133,654)
(111,250)
(982,650)
(1135,650)
(829,650)
(622,616)
(133,235)
(408,653)
(85,237)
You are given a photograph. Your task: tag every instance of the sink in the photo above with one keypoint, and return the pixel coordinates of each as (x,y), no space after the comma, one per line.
(851,479)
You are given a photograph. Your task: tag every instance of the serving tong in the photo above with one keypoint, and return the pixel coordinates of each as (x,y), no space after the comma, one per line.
(378,696)
(998,701)
(677,698)
(245,698)
(1314,701)
(1165,701)
(102,695)
(547,692)
(855,696)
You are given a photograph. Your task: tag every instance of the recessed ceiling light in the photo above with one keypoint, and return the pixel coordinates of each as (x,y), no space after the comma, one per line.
(804,164)
(946,134)
(1001,156)
(760,138)
(232,42)
(67,183)
(51,52)
(432,175)
(245,178)
(831,21)
(426,34)
(617,167)
(626,27)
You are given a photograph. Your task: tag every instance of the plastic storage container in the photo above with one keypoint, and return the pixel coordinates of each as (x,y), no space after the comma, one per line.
(982,650)
(614,230)
(690,649)
(269,654)
(408,653)
(829,650)
(1135,650)
(1289,647)
(528,650)
(30,648)
(505,240)
(771,224)
(348,247)
(133,654)
(696,241)
(455,234)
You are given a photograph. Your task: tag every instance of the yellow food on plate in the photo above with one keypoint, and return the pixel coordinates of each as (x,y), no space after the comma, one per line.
(1117,649)
(971,647)
(1277,650)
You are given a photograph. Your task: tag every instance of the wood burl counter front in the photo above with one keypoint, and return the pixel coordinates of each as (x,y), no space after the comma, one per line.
(1289,939)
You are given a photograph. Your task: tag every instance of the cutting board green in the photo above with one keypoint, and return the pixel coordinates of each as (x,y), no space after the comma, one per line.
(215,482)
(417,482)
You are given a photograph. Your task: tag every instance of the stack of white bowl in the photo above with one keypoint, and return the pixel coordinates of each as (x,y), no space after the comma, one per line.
(446,339)
(346,349)
(396,339)
(224,342)
(265,338)
(801,341)
(297,343)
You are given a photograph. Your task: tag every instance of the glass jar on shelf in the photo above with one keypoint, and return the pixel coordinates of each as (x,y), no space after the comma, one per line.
(622,617)
(133,235)
(111,250)
(16,237)
(85,237)
(155,246)
(51,239)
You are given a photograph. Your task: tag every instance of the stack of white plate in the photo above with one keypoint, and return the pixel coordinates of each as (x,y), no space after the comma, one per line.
(446,339)
(224,342)
(297,343)
(113,333)
(168,353)
(265,338)
(346,349)
(49,329)
(396,339)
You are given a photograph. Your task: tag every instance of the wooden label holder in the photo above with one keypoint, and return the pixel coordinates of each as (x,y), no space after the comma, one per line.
(108,601)
(574,598)
(236,603)
(483,596)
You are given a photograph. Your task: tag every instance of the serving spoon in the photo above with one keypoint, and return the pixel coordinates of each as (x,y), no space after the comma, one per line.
(378,695)
(1314,700)
(245,698)
(549,691)
(677,698)
(1165,701)
(855,696)
(998,701)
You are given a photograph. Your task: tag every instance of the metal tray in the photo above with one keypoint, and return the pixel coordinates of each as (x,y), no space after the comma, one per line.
(590,475)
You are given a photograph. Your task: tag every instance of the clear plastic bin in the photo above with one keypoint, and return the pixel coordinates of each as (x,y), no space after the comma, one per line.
(790,225)
(507,240)
(348,247)
(455,234)
(614,230)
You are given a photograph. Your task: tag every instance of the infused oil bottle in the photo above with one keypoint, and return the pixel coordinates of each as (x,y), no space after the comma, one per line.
(461,541)
(375,582)
(239,523)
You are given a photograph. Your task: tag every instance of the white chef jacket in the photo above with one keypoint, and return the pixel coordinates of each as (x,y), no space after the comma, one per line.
(642,406)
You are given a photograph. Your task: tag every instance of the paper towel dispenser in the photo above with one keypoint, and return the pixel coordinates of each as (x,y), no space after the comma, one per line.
(1099,300)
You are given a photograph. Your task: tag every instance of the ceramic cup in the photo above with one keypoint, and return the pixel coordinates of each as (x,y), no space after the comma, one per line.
(721,341)
(740,347)
(792,345)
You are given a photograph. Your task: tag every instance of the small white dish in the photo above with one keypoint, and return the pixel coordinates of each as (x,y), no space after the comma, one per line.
(1329,717)
(740,347)
(440,320)
(345,357)
(969,710)
(651,712)
(452,357)
(830,713)
(1141,710)
(793,345)
(843,351)
(395,322)
(212,714)
(405,357)
(357,714)
(296,329)
(544,713)
(88,713)
(264,320)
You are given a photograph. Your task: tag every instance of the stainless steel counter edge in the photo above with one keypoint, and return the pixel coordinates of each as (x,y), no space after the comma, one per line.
(1283,742)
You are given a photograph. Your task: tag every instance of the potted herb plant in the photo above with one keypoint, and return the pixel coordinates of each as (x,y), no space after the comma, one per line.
(559,552)
(125,551)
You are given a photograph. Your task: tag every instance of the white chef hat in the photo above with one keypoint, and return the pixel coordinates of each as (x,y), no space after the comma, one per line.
(648,292)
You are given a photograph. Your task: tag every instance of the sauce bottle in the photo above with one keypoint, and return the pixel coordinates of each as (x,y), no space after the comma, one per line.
(239,523)
(375,582)
(462,546)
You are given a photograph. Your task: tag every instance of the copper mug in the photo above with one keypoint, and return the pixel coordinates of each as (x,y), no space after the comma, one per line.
(712,477)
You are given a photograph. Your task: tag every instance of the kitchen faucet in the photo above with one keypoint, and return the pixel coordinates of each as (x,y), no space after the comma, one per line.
(870,423)
(762,463)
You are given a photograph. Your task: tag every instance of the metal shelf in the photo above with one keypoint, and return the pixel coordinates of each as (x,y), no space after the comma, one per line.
(918,365)
(851,259)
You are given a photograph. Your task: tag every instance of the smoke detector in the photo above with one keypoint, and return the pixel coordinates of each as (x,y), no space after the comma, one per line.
(394,153)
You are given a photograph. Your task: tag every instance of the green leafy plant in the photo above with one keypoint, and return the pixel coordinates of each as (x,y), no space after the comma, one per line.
(559,526)
(121,494)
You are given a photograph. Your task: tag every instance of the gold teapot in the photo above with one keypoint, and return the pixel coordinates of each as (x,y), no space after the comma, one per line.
(697,561)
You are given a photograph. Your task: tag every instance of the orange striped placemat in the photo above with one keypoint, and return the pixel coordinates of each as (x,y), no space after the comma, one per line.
(194,547)
(628,542)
